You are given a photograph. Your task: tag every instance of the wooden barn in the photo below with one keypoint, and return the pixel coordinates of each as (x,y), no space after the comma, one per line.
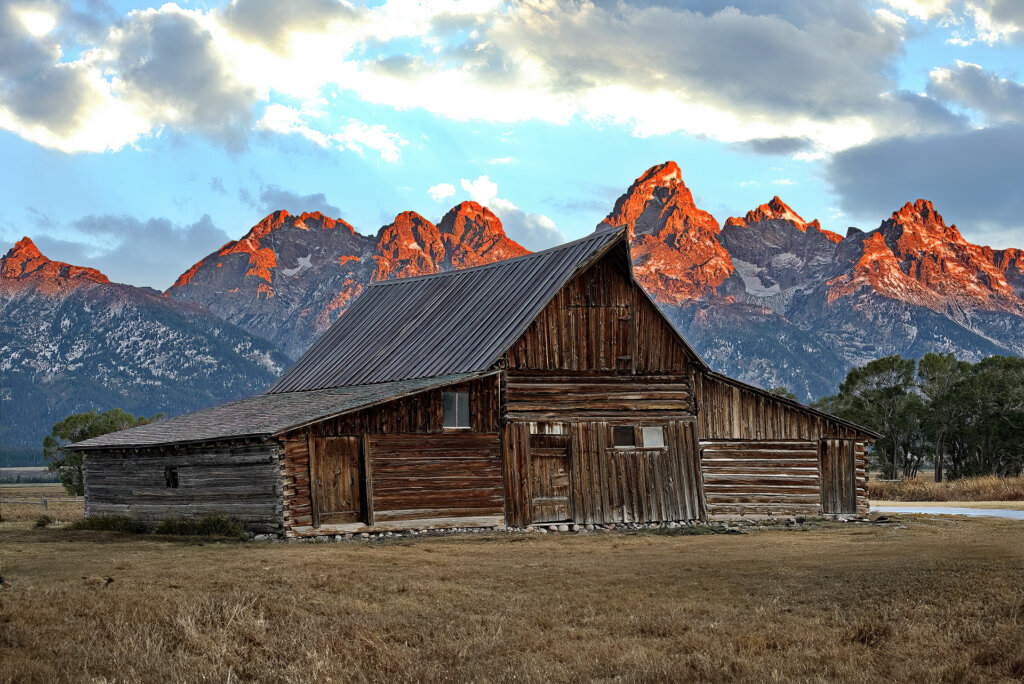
(543,389)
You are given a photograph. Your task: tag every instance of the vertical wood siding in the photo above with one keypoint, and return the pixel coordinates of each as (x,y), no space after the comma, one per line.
(600,321)
(238,480)
(606,484)
(419,414)
(843,476)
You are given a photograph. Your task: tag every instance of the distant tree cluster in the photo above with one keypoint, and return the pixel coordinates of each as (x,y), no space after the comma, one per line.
(75,428)
(965,419)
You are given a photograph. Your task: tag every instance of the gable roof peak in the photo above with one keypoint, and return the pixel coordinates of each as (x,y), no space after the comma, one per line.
(459,321)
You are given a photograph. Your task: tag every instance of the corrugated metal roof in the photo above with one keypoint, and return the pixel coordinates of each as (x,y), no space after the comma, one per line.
(454,322)
(266,414)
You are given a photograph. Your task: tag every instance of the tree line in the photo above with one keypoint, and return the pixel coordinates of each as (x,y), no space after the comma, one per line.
(964,419)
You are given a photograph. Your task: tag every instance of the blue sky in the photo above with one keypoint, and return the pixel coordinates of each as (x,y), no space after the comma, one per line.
(139,138)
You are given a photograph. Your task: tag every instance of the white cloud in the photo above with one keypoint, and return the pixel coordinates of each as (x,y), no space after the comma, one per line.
(782,181)
(353,135)
(482,190)
(501,160)
(999,100)
(288,120)
(356,135)
(533,231)
(997,20)
(38,22)
(441,191)
(210,70)
(990,21)
(922,9)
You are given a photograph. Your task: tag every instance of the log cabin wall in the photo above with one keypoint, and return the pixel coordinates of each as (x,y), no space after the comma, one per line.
(411,480)
(762,455)
(240,480)
(599,356)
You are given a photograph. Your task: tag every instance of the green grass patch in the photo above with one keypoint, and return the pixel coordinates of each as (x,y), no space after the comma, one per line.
(110,523)
(216,525)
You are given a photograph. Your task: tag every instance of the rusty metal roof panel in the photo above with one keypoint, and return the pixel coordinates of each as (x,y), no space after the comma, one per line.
(453,322)
(265,415)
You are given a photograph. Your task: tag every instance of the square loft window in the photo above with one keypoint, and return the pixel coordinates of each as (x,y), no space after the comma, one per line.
(455,409)
(653,437)
(623,436)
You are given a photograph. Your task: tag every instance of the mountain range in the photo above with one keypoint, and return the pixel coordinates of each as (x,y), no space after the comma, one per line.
(768,297)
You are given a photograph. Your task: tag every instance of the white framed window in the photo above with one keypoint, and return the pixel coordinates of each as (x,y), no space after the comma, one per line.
(653,437)
(638,437)
(455,410)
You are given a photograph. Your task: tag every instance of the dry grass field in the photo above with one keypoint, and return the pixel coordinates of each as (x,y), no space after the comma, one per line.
(923,600)
(1004,505)
(22,502)
(986,488)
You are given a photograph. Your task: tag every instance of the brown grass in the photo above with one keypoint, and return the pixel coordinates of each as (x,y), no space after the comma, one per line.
(14,507)
(47,489)
(936,600)
(987,488)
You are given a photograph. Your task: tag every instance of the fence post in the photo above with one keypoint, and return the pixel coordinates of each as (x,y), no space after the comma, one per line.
(46,504)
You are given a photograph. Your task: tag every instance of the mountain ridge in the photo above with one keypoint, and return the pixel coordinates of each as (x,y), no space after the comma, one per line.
(291,276)
(767,297)
(72,340)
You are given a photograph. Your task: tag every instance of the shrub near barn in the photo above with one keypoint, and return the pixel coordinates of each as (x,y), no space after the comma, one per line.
(75,428)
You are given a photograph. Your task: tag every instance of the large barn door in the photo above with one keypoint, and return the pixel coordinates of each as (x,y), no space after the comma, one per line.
(838,476)
(336,479)
(549,478)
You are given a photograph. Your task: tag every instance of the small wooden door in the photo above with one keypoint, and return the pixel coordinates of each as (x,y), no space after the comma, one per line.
(838,476)
(337,479)
(549,479)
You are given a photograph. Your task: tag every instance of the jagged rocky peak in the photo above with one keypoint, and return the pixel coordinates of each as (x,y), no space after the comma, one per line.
(408,246)
(659,203)
(473,236)
(470,219)
(777,210)
(675,245)
(25,261)
(920,226)
(915,257)
(280,242)
(279,219)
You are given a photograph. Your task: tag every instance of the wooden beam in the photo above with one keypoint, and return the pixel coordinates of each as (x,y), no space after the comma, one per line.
(314,503)
(368,479)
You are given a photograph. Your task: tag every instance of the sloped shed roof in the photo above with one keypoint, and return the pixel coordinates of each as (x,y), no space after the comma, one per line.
(266,414)
(455,322)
